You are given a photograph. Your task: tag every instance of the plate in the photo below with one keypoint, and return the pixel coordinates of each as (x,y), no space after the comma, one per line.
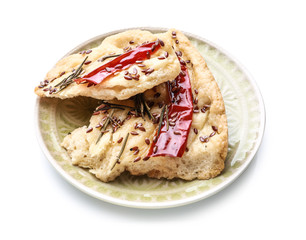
(246,120)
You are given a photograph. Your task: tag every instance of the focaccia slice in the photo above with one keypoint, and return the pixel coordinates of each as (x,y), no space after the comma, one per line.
(107,155)
(160,65)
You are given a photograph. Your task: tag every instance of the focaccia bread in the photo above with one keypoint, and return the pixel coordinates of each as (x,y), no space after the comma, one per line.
(159,65)
(120,138)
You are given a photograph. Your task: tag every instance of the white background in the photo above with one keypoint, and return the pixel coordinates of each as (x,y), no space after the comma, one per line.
(267,202)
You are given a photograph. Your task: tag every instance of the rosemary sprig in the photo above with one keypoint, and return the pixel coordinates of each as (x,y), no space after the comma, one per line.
(137,105)
(107,108)
(68,80)
(121,151)
(109,56)
(161,120)
(116,105)
(147,108)
(105,124)
(141,106)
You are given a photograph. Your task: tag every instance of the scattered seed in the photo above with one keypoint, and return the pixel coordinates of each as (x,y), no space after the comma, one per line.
(107,69)
(204,139)
(96,113)
(214,128)
(177,41)
(146,158)
(87,62)
(137,159)
(134,133)
(134,148)
(120,140)
(161,42)
(142,128)
(135,71)
(153,47)
(89,130)
(118,66)
(128,77)
(155,149)
(131,42)
(135,77)
(136,152)
(127,48)
(196,91)
(212,134)
(182,62)
(147,140)
(172,124)
(195,131)
(178,53)
(148,71)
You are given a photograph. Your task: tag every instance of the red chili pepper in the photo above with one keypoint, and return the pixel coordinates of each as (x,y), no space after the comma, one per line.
(172,142)
(124,61)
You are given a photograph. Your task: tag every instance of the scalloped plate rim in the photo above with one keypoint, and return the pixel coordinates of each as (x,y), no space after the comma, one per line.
(170,203)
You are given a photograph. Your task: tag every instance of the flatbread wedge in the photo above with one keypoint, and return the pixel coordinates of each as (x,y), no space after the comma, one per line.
(120,139)
(157,64)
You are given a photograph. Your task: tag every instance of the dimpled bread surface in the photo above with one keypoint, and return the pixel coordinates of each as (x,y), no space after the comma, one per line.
(203,160)
(116,86)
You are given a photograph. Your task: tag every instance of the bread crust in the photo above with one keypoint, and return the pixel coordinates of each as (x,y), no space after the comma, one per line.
(203,160)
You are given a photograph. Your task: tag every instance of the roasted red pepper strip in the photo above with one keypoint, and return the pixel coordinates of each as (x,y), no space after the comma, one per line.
(172,142)
(124,61)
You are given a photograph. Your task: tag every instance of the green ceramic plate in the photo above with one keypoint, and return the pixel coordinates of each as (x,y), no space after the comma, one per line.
(246,120)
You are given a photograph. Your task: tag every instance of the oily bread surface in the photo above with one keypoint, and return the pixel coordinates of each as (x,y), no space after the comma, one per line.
(115,87)
(203,160)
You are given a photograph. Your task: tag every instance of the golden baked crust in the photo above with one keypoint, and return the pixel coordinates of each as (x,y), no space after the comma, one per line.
(114,87)
(203,160)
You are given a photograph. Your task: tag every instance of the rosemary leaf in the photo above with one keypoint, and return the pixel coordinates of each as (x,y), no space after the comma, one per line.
(137,104)
(105,124)
(121,151)
(167,119)
(68,80)
(107,108)
(147,108)
(109,56)
(141,108)
(161,120)
(117,105)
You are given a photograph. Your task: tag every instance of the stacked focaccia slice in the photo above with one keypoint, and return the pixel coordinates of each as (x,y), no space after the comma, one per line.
(162,115)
